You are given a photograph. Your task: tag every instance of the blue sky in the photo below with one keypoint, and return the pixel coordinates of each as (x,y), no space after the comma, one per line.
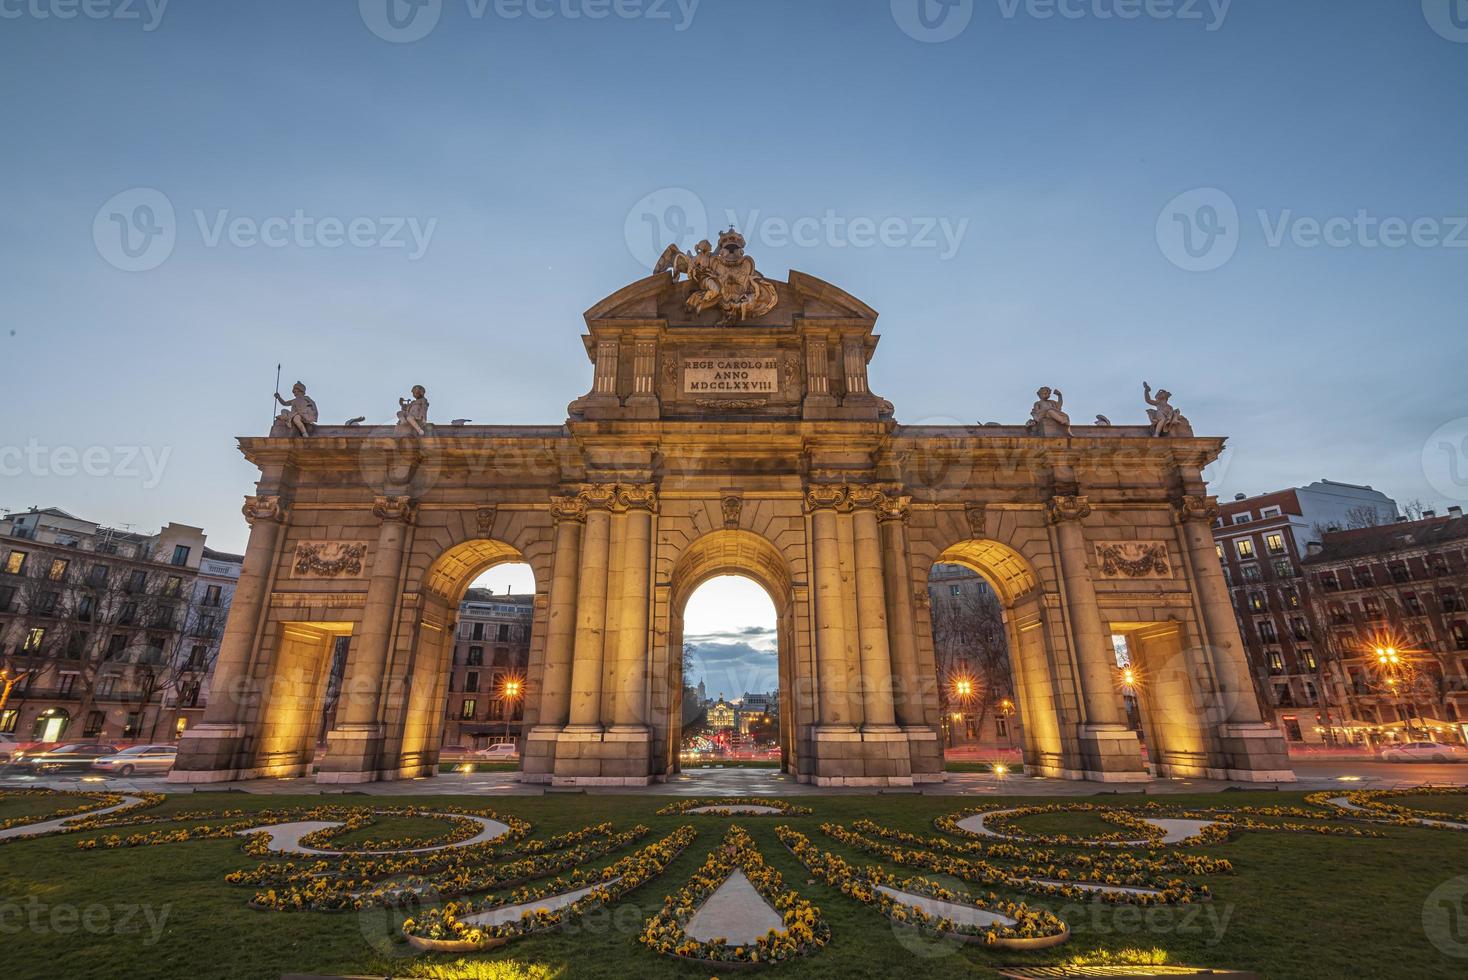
(1039,181)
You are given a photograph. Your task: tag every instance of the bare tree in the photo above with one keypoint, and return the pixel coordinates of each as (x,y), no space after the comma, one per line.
(970,646)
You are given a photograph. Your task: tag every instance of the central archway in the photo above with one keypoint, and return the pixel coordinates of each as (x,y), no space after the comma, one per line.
(747,555)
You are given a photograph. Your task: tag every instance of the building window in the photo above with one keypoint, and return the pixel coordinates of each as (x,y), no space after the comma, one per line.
(58,569)
(1256,601)
(1371,607)
(1283,568)
(97,576)
(1269,512)
(189,696)
(1267,631)
(8,718)
(66,686)
(1329,583)
(1298,629)
(471,681)
(34,638)
(1276,662)
(504,633)
(1451,601)
(477,632)
(211,595)
(107,686)
(171,586)
(1244,547)
(476,657)
(137,582)
(1291,598)
(1309,657)
(466,710)
(180,554)
(1275,543)
(46,603)
(15,562)
(116,646)
(1243,517)
(1460,635)
(955,590)
(1218,546)
(93,727)
(7,597)
(1400,572)
(197,655)
(1413,604)
(1363,576)
(1252,574)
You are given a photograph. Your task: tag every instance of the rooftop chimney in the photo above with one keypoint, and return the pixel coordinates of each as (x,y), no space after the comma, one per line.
(1241,496)
(1313,548)
(1428,515)
(1455,511)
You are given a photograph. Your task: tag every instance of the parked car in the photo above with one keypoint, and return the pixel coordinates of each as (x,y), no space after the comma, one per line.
(139,759)
(499,750)
(1422,752)
(70,757)
(9,745)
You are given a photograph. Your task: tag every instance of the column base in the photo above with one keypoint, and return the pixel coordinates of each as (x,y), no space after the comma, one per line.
(1112,754)
(585,755)
(538,754)
(1255,752)
(208,753)
(844,756)
(353,755)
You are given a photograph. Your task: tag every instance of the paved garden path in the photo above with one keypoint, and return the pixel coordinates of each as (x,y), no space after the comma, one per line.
(1346,804)
(47,826)
(756,808)
(967,915)
(512,913)
(734,911)
(287,836)
(1174,831)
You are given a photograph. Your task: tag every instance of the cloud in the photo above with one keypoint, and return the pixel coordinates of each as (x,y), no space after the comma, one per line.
(732,667)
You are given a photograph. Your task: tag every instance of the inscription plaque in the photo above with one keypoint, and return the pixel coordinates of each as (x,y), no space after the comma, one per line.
(731,375)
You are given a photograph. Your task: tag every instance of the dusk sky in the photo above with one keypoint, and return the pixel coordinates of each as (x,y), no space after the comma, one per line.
(1259,205)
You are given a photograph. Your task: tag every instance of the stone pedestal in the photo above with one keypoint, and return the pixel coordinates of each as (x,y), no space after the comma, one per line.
(352,756)
(1112,754)
(1255,753)
(207,753)
(586,756)
(847,757)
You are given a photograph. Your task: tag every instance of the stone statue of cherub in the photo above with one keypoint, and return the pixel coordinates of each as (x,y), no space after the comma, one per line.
(300,413)
(413,413)
(1049,410)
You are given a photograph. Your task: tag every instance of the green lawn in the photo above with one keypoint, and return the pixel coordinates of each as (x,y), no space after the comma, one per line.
(1087,825)
(1440,804)
(393,828)
(1299,905)
(18,807)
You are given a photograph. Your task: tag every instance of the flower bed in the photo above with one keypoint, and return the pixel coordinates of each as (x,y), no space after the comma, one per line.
(805,929)
(999,820)
(721,806)
(1027,877)
(443,929)
(1376,803)
(1032,928)
(93,803)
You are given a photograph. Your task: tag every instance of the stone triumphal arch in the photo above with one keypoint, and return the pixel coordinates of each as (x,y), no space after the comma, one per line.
(730,428)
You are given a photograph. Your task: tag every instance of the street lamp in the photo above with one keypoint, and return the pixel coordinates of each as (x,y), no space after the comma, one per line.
(509,693)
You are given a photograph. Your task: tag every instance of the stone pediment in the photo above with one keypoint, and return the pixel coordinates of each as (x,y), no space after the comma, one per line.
(660,298)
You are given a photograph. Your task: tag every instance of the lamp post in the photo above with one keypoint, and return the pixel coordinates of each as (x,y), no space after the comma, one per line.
(509,694)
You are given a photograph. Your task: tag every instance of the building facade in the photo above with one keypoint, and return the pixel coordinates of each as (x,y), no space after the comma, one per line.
(1392,602)
(975,681)
(1262,542)
(730,428)
(107,633)
(486,699)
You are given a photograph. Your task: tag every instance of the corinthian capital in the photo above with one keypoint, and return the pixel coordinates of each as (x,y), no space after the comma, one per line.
(828,496)
(394,509)
(637,497)
(863,498)
(264,509)
(1068,507)
(1196,507)
(895,509)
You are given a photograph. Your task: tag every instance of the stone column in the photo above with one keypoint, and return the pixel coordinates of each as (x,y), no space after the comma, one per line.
(1109,748)
(875,654)
(208,752)
(835,708)
(1225,646)
(901,628)
(354,746)
(630,702)
(591,612)
(569,514)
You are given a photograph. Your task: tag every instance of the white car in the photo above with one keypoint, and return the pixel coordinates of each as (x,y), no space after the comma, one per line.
(8,742)
(1422,752)
(139,759)
(500,750)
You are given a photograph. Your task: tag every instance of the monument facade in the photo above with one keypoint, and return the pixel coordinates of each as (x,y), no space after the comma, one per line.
(730,428)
